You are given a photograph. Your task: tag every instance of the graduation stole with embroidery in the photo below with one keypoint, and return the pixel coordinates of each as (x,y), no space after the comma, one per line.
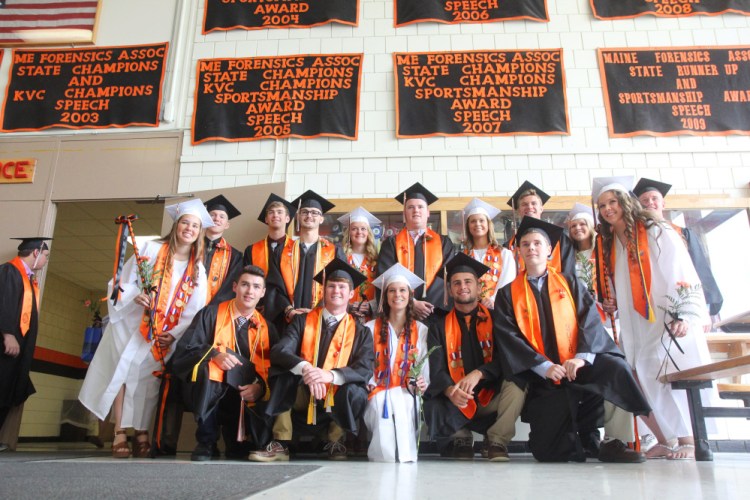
(639,269)
(555,261)
(224,338)
(433,254)
(385,378)
(455,358)
(339,351)
(290,267)
(261,255)
(563,314)
(219,267)
(494,260)
(364,292)
(28,296)
(166,311)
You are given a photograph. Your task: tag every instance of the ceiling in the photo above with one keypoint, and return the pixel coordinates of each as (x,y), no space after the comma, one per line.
(84,239)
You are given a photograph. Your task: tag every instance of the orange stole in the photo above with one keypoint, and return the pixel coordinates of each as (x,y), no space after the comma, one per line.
(339,350)
(455,360)
(639,269)
(383,360)
(555,261)
(433,254)
(218,269)
(224,334)
(28,296)
(563,314)
(290,267)
(260,253)
(368,269)
(167,310)
(494,260)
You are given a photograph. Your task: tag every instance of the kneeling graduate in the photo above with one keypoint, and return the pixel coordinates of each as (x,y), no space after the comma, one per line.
(552,341)
(225,356)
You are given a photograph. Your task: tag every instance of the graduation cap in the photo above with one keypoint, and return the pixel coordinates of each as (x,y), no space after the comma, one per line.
(462,263)
(275,198)
(397,273)
(32,243)
(581,211)
(523,191)
(359,214)
(416,192)
(477,206)
(601,184)
(531,224)
(644,185)
(338,268)
(190,207)
(241,374)
(221,203)
(311,199)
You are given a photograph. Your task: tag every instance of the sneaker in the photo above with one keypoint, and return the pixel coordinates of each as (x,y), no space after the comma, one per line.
(274,452)
(615,451)
(497,452)
(463,449)
(336,450)
(202,452)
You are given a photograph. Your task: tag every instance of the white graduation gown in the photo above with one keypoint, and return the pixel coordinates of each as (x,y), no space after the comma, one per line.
(124,356)
(641,341)
(508,273)
(397,433)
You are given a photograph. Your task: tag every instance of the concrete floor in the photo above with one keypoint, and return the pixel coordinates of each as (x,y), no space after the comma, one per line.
(65,472)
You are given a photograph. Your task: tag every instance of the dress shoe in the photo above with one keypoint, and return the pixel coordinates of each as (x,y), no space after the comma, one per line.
(615,451)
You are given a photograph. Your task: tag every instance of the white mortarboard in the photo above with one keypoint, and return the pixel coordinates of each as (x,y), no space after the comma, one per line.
(581,211)
(359,214)
(477,206)
(398,273)
(191,207)
(602,184)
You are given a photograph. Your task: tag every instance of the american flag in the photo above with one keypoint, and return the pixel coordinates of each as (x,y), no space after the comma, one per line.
(46,21)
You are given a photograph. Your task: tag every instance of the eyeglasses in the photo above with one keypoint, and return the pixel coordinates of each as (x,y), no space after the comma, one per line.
(312,213)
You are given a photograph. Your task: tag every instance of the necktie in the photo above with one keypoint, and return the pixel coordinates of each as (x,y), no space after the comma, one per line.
(331,324)
(239,323)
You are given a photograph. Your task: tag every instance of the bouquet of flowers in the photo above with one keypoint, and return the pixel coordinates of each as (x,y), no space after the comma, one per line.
(147,285)
(587,271)
(94,306)
(680,307)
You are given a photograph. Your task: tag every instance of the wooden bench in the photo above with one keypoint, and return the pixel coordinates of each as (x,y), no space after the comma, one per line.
(733,345)
(701,377)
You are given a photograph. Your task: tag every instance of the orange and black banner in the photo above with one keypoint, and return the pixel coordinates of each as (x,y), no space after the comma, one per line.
(301,96)
(625,9)
(223,15)
(482,92)
(84,88)
(467,11)
(676,90)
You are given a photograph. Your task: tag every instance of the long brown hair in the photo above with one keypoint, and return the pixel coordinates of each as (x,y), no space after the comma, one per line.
(385,314)
(196,250)
(491,238)
(632,213)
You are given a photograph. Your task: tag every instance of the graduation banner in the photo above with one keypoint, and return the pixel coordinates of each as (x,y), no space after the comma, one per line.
(223,15)
(624,9)
(84,88)
(467,11)
(482,92)
(253,98)
(676,90)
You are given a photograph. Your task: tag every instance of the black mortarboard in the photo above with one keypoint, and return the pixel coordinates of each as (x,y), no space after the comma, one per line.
(526,186)
(462,263)
(337,268)
(242,374)
(528,224)
(645,185)
(272,198)
(311,199)
(221,203)
(32,243)
(416,191)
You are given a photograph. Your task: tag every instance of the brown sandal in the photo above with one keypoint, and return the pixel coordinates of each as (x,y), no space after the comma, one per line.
(121,450)
(141,449)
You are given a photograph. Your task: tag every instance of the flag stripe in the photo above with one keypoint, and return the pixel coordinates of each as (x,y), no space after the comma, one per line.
(19,15)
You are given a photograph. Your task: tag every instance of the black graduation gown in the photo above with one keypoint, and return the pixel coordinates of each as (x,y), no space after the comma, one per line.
(204,394)
(567,253)
(558,413)
(275,300)
(15,383)
(235,266)
(711,291)
(351,397)
(443,418)
(435,293)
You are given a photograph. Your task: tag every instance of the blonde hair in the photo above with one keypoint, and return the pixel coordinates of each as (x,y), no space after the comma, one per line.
(371,251)
(491,238)
(592,233)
